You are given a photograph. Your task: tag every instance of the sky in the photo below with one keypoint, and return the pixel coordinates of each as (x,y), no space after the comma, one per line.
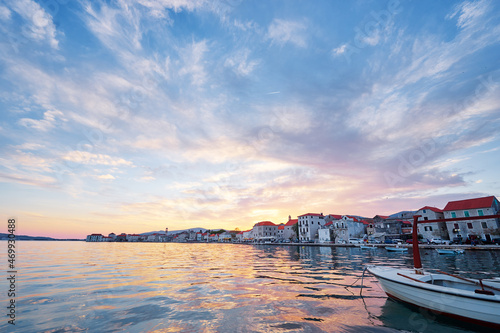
(133,116)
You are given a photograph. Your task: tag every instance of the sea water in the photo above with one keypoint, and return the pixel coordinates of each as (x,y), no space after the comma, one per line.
(172,287)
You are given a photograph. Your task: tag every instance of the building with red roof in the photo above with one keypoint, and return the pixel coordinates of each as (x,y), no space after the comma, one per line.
(265,231)
(474,228)
(434,229)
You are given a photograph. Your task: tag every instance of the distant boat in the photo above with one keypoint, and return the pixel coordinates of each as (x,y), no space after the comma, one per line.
(449,251)
(396,249)
(366,247)
(469,300)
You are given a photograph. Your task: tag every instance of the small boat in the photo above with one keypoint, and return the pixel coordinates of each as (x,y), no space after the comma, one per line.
(475,301)
(396,249)
(450,251)
(366,247)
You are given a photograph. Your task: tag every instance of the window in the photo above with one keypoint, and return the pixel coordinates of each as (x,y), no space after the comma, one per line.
(480,212)
(453,214)
(424,211)
(469,225)
(466,213)
(455,226)
(426,218)
(484,225)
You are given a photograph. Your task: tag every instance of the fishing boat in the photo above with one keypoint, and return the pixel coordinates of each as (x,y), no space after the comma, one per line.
(475,301)
(450,251)
(396,249)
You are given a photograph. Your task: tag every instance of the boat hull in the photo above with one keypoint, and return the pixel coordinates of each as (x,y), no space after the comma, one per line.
(396,249)
(464,305)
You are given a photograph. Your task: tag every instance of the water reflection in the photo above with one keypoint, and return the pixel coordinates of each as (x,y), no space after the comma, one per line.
(75,286)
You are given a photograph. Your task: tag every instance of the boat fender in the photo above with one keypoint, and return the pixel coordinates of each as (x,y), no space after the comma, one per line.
(484,292)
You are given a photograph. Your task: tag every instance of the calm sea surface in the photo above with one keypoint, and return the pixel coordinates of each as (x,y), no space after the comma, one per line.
(139,287)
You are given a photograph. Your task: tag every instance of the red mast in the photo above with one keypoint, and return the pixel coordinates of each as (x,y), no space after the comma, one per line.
(417,263)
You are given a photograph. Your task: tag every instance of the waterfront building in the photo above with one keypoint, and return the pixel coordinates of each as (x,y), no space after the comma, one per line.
(112,235)
(433,229)
(472,229)
(309,224)
(281,231)
(133,237)
(94,238)
(289,233)
(355,225)
(248,235)
(265,230)
(335,231)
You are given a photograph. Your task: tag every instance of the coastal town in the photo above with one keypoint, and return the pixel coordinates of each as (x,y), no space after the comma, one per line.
(348,229)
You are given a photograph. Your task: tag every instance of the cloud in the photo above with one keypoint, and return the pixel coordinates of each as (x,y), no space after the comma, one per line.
(283,31)
(48,122)
(339,50)
(106,177)
(84,157)
(192,57)
(39,23)
(240,64)
(469,13)
(5,13)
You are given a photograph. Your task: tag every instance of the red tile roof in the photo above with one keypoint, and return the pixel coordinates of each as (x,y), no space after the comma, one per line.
(281,227)
(291,222)
(353,218)
(384,217)
(328,223)
(475,203)
(265,223)
(311,214)
(434,209)
(335,216)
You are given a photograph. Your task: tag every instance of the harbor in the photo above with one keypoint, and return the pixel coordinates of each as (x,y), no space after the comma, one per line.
(217,287)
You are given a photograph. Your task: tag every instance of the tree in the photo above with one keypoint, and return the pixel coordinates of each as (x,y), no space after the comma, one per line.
(295,229)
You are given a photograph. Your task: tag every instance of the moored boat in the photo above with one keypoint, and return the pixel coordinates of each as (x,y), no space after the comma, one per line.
(450,251)
(396,249)
(443,294)
(366,247)
(468,300)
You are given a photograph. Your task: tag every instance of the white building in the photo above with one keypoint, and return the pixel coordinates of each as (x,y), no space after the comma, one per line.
(94,238)
(433,229)
(247,235)
(474,228)
(309,224)
(265,230)
(289,233)
(133,237)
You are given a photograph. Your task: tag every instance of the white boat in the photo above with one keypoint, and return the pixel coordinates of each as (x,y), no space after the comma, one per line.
(443,294)
(468,300)
(366,247)
(396,248)
(449,251)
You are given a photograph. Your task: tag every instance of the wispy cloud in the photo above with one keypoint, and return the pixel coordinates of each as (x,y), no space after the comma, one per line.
(286,31)
(39,25)
(84,157)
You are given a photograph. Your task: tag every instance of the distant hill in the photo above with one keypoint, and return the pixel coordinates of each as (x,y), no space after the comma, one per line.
(39,238)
